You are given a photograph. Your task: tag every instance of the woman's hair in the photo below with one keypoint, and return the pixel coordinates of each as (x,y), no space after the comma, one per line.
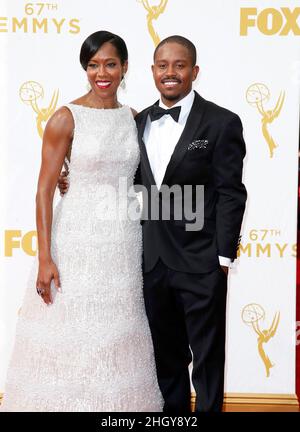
(95,41)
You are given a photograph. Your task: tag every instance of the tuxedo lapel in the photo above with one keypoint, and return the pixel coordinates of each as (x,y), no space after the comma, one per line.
(187,135)
(143,150)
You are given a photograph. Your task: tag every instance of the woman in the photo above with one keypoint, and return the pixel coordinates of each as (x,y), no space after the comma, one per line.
(83,341)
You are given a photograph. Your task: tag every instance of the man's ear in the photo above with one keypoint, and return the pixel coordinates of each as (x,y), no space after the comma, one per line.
(196,70)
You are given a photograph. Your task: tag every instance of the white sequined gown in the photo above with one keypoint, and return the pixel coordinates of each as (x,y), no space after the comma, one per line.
(91,350)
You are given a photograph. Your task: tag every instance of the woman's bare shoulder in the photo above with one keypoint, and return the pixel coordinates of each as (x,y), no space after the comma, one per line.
(61,121)
(62,114)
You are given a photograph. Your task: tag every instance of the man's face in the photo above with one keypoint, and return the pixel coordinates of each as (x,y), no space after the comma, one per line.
(173,72)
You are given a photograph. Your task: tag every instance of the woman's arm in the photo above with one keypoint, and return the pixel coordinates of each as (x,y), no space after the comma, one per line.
(56,141)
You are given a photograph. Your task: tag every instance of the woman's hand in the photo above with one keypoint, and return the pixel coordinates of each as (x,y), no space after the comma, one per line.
(47,272)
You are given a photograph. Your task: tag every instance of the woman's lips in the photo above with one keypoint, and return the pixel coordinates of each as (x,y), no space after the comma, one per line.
(103,84)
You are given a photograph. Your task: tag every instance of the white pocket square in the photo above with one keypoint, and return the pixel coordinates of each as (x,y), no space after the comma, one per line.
(198,144)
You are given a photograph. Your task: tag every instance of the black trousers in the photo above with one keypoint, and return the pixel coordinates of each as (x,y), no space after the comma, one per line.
(187,316)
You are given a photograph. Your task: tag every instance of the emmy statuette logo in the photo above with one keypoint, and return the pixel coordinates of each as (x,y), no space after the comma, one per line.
(251,315)
(257,95)
(30,92)
(153,12)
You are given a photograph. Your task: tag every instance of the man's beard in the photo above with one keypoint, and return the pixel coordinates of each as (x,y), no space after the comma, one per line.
(171,97)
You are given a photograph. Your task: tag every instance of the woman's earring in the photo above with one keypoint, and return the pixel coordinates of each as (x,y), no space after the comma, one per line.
(88,86)
(123,83)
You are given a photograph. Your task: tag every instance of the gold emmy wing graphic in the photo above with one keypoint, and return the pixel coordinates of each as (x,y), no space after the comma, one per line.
(29,93)
(153,12)
(257,94)
(251,315)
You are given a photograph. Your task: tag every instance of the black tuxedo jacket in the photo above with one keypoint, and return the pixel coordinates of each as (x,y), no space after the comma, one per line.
(215,162)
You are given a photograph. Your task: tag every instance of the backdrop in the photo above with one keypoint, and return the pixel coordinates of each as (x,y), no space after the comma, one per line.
(249,55)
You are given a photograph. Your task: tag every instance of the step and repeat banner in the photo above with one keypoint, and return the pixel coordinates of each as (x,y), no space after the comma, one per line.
(249,56)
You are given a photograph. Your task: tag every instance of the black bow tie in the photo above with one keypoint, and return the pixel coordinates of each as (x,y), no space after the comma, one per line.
(157,112)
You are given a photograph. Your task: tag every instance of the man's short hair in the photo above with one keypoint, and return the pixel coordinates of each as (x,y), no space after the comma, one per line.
(182,41)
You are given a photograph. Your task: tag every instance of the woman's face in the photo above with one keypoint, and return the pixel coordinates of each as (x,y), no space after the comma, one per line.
(105,71)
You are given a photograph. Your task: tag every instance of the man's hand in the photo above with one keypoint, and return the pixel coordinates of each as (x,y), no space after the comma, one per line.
(225,269)
(63,183)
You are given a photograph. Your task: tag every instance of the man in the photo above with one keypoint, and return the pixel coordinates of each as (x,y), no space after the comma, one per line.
(185,272)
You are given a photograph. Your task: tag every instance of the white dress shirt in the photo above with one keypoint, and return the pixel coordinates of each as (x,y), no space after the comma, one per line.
(160,138)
